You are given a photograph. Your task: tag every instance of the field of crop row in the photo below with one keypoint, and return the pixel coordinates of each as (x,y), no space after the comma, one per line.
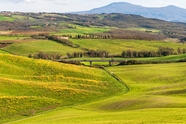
(30,86)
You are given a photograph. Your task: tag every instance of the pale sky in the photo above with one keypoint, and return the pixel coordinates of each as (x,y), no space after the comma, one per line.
(76,5)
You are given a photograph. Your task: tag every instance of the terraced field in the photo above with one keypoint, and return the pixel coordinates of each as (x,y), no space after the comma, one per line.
(157,95)
(30,86)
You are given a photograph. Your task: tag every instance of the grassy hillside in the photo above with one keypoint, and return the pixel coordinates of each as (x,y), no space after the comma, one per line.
(152,86)
(15,17)
(3,52)
(6,18)
(30,86)
(34,46)
(7,38)
(116,46)
(157,95)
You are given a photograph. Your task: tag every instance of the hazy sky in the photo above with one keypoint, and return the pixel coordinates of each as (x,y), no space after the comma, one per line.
(76,5)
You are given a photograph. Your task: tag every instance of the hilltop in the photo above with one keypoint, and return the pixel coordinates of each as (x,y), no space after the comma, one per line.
(168,13)
(59,22)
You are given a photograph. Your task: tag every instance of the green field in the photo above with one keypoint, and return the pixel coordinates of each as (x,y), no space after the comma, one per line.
(30,86)
(10,38)
(116,46)
(14,17)
(82,30)
(157,95)
(35,46)
(6,18)
(3,52)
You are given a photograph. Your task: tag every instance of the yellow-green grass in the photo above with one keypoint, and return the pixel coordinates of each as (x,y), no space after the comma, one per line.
(74,116)
(116,46)
(35,46)
(30,86)
(152,86)
(82,30)
(6,18)
(10,38)
(3,52)
(157,95)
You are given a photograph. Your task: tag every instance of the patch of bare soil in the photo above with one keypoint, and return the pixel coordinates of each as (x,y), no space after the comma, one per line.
(5,32)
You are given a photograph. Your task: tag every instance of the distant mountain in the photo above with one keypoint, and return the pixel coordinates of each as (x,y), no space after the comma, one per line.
(168,13)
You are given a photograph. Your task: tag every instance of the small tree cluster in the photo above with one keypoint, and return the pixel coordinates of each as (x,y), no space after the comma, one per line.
(89,53)
(131,54)
(165,51)
(75,55)
(97,53)
(48,56)
(181,51)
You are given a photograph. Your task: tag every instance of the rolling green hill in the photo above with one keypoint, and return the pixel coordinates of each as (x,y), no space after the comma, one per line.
(157,95)
(30,86)
(6,18)
(40,91)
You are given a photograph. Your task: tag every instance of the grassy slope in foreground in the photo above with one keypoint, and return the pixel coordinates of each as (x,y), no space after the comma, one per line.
(157,96)
(29,86)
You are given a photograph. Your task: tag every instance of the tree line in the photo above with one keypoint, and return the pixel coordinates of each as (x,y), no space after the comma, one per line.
(122,34)
(89,53)
(162,51)
(47,56)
